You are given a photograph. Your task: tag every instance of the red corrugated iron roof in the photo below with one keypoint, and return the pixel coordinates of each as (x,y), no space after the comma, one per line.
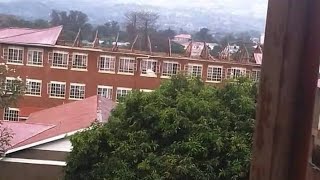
(40,37)
(26,111)
(25,130)
(67,118)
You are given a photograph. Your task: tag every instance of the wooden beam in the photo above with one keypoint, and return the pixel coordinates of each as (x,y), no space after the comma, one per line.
(287,90)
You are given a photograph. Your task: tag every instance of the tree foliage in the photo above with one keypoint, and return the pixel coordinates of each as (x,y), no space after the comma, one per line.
(72,22)
(141,23)
(204,36)
(108,29)
(9,93)
(13,21)
(183,130)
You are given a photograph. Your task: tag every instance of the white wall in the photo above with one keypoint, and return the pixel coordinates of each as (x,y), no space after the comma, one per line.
(63,145)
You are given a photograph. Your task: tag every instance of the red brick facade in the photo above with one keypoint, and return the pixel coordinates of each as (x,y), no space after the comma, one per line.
(92,78)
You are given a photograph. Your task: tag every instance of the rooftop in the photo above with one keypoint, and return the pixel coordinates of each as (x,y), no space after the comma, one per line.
(43,37)
(49,37)
(60,120)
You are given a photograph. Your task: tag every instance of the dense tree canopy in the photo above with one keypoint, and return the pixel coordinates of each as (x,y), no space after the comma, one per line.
(183,130)
(72,22)
(141,23)
(204,36)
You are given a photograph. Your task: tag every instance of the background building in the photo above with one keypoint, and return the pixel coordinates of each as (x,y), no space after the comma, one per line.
(56,74)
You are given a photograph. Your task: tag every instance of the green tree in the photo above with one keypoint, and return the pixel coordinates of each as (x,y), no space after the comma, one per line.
(72,22)
(177,48)
(159,39)
(142,23)
(204,36)
(9,93)
(216,50)
(183,130)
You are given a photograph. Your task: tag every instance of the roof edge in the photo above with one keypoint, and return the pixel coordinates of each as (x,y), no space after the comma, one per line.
(57,37)
(51,139)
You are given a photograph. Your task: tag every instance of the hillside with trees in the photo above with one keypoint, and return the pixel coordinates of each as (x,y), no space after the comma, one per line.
(143,25)
(183,130)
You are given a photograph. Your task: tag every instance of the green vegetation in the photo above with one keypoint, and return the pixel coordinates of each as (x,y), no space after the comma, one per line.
(9,93)
(183,130)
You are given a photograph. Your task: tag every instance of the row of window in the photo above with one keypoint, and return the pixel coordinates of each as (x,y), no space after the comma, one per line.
(77,91)
(57,59)
(127,65)
(56,89)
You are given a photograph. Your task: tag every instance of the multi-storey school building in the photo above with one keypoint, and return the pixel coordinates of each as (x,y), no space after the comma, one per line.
(56,73)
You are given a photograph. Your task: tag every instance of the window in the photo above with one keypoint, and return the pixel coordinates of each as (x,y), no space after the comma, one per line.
(149,67)
(35,57)
(33,87)
(14,55)
(59,59)
(57,89)
(236,72)
(105,91)
(170,68)
(11,114)
(77,91)
(127,65)
(214,74)
(194,70)
(255,75)
(121,92)
(9,84)
(79,61)
(106,64)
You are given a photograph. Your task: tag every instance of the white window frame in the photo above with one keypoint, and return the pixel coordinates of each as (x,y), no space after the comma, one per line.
(31,57)
(232,70)
(17,60)
(170,71)
(65,62)
(29,92)
(79,87)
(190,68)
(57,96)
(130,65)
(77,67)
(149,64)
(12,111)
(9,80)
(106,64)
(213,75)
(101,91)
(255,75)
(122,89)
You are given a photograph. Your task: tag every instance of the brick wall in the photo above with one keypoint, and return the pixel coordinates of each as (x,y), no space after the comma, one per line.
(92,78)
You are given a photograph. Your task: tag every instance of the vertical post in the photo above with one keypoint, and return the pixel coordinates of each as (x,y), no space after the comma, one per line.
(287,90)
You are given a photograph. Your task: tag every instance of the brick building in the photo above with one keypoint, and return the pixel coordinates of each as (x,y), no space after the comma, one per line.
(56,73)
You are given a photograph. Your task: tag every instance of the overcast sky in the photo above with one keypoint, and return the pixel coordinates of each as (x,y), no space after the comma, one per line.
(255,7)
(258,7)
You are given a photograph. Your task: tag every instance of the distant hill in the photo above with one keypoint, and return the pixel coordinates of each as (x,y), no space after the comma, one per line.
(217,16)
